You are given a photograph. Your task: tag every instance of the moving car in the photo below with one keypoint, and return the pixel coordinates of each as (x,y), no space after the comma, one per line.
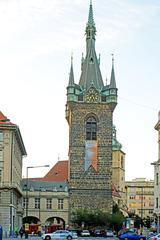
(60,235)
(130,235)
(85,233)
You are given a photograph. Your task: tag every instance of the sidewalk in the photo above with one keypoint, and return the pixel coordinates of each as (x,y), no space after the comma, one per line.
(30,237)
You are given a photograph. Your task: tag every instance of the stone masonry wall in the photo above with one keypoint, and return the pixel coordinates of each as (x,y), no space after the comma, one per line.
(90,189)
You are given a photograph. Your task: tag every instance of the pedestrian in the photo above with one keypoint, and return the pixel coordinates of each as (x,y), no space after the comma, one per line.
(21,231)
(16,231)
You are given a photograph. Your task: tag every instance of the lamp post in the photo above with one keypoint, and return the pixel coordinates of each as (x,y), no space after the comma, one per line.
(43,166)
(39,203)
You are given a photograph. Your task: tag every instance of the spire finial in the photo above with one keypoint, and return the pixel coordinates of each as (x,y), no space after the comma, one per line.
(90,29)
(90,17)
(71,57)
(112,59)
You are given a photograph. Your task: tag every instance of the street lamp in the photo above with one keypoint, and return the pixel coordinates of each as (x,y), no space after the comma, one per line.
(27,184)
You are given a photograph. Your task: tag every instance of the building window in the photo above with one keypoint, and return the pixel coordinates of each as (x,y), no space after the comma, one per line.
(60,203)
(25,201)
(37,203)
(121,161)
(150,211)
(156,178)
(0,175)
(157,202)
(49,203)
(1,136)
(1,155)
(91,129)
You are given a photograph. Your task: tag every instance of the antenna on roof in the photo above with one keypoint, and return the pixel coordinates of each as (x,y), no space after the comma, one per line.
(58,157)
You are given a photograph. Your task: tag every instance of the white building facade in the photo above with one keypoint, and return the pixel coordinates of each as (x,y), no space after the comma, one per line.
(157,177)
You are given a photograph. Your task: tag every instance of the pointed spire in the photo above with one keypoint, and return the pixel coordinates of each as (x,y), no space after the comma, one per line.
(91,74)
(71,74)
(113,81)
(90,28)
(90,16)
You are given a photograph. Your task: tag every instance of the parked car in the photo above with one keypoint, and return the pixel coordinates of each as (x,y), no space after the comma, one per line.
(60,234)
(109,233)
(130,235)
(97,233)
(85,233)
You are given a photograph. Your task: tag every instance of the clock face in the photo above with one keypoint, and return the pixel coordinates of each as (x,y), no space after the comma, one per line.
(92,95)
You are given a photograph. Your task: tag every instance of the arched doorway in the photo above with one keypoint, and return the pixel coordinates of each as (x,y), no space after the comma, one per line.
(31,225)
(54,223)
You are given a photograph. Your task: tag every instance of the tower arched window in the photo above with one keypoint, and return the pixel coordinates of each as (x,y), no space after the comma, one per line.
(91,128)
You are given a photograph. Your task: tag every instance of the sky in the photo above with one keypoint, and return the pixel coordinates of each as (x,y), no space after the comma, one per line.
(37,38)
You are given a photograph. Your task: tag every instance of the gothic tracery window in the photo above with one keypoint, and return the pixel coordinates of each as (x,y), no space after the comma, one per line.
(91,128)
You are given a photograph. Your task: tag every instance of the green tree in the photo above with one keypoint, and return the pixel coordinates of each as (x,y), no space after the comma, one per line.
(116,220)
(98,219)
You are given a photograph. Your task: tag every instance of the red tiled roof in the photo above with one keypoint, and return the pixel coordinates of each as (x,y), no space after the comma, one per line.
(59,172)
(4,120)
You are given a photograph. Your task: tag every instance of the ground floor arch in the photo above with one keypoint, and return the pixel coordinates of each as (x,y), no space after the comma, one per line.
(32,224)
(54,223)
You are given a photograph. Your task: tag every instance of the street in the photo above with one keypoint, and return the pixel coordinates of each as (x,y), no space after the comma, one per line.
(79,238)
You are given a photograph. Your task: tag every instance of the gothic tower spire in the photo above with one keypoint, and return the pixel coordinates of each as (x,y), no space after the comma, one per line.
(91,74)
(89,112)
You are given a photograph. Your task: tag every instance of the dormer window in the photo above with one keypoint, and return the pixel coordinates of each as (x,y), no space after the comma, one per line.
(91,60)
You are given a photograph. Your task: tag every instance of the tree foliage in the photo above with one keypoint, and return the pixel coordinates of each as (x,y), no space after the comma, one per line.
(98,219)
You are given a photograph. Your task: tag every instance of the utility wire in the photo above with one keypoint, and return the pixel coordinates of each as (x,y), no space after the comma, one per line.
(140,105)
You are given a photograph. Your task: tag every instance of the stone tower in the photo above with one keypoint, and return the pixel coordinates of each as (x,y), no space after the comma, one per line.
(89,112)
(118,169)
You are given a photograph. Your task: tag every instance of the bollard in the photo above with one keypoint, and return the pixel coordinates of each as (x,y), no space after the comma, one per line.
(1,232)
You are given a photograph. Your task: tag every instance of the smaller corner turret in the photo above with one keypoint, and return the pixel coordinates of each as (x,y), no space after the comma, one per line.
(115,144)
(110,90)
(112,87)
(71,84)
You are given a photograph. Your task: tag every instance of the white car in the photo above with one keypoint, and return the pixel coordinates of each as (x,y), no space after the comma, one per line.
(60,235)
(85,233)
(109,233)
